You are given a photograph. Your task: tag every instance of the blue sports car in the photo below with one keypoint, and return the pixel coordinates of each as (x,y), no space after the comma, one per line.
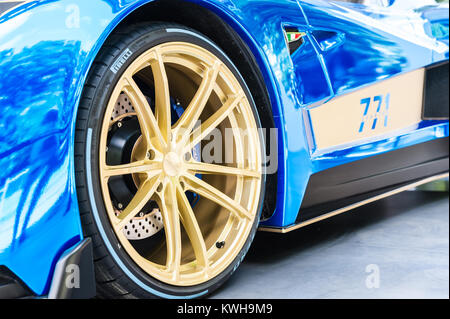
(144,142)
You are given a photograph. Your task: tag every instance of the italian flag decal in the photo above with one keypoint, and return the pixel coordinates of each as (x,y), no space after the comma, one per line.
(294,36)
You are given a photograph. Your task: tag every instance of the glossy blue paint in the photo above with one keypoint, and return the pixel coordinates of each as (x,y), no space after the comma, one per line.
(45,54)
(48,46)
(379,42)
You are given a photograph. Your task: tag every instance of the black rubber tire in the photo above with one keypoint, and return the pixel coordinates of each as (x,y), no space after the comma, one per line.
(116,274)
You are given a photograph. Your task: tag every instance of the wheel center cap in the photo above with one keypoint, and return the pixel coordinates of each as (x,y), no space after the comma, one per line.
(172,164)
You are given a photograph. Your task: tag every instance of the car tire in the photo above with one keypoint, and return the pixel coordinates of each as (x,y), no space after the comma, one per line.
(118,274)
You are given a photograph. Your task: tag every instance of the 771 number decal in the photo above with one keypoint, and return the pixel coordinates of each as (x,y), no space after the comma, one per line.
(376,115)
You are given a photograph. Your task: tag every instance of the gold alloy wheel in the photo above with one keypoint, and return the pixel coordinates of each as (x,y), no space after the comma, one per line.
(200,239)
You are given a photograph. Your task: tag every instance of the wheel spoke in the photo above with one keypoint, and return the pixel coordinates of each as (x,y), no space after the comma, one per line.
(206,190)
(147,121)
(140,199)
(162,96)
(211,123)
(192,228)
(192,113)
(205,168)
(169,210)
(153,168)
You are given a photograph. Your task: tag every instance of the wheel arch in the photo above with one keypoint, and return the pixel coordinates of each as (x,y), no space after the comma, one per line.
(242,50)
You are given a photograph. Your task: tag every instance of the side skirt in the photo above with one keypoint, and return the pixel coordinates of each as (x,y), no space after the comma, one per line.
(352,206)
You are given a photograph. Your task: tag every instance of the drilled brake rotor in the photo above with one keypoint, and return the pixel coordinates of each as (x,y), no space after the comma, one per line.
(146,223)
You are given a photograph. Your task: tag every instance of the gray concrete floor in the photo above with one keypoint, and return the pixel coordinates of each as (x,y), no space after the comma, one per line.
(404,239)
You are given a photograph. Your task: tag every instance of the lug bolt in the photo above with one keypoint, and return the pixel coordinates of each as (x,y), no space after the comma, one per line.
(150,155)
(120,205)
(119,124)
(220,244)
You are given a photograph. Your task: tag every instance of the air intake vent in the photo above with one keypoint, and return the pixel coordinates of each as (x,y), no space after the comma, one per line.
(436,93)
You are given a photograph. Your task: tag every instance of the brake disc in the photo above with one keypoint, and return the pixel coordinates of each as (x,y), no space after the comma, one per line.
(145,224)
(122,107)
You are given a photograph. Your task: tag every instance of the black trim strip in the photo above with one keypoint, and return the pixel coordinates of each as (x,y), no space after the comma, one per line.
(11,287)
(354,182)
(339,211)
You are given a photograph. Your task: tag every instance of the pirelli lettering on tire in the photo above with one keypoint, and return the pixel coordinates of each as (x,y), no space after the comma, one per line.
(121,61)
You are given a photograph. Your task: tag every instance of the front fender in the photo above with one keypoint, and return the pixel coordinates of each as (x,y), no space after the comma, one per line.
(46,50)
